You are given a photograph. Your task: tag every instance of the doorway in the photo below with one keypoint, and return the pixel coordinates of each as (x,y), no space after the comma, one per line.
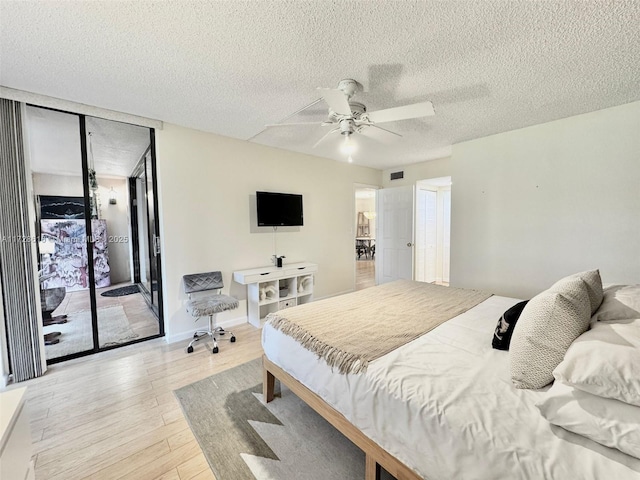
(414,224)
(365,238)
(80,168)
(432,230)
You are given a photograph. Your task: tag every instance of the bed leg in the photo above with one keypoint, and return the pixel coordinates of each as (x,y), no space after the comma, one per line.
(268,385)
(371,469)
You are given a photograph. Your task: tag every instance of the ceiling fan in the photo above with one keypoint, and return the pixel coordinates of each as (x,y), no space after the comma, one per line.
(348,117)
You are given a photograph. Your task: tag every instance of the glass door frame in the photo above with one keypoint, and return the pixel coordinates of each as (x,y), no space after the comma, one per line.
(82,130)
(153,237)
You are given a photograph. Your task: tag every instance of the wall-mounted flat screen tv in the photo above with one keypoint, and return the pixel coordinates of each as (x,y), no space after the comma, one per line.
(279,209)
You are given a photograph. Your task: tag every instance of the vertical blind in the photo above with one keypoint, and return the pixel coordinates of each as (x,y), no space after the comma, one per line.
(21,297)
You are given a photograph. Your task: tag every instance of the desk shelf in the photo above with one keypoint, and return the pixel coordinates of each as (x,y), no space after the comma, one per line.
(304,285)
(264,284)
(268,292)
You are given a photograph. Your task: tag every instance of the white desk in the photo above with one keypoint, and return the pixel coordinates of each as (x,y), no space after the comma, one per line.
(266,287)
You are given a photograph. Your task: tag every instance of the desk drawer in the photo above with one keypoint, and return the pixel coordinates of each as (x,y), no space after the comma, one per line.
(291,271)
(257,277)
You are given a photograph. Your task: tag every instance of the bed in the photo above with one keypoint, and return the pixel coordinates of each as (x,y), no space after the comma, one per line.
(441,406)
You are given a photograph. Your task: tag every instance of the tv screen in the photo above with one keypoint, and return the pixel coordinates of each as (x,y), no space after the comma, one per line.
(279,209)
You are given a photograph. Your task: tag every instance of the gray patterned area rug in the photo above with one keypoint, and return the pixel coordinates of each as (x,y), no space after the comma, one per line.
(243,439)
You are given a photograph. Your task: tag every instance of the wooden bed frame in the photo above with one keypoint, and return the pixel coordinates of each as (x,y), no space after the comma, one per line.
(375,455)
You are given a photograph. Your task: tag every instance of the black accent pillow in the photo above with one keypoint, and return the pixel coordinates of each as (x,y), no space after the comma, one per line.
(506,324)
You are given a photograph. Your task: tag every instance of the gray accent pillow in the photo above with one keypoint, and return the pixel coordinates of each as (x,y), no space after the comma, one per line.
(593,282)
(548,325)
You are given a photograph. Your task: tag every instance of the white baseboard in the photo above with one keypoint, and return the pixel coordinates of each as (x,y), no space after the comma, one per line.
(187,335)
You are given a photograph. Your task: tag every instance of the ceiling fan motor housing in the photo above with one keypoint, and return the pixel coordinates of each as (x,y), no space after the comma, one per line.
(349,87)
(347,126)
(357,109)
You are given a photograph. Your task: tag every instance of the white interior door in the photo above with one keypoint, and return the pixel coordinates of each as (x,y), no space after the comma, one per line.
(420,248)
(446,242)
(426,234)
(394,238)
(431,237)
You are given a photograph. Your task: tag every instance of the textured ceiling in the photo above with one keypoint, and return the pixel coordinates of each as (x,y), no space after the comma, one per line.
(231,66)
(54,144)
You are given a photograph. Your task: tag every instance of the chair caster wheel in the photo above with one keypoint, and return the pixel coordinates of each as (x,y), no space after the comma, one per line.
(215,350)
(189,349)
(195,335)
(232,339)
(221,332)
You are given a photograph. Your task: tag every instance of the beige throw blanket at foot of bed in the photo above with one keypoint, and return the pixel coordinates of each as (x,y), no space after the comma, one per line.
(351,330)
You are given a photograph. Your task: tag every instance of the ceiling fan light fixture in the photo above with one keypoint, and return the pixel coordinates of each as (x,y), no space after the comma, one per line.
(348,146)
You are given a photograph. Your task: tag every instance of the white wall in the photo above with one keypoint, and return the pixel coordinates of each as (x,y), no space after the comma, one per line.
(117,216)
(532,205)
(118,227)
(418,171)
(207,186)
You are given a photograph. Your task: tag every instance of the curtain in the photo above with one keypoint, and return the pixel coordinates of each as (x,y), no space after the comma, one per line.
(20,292)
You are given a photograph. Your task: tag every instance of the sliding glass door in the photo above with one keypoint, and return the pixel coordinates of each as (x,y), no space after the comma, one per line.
(91,295)
(65,267)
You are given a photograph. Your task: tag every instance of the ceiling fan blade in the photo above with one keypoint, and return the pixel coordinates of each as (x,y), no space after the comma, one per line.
(386,130)
(325,136)
(269,125)
(422,109)
(286,118)
(259,133)
(301,109)
(380,134)
(336,100)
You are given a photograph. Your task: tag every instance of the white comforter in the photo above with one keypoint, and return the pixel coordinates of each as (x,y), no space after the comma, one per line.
(444,405)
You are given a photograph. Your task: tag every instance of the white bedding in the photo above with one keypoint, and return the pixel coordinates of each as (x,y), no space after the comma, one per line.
(445,406)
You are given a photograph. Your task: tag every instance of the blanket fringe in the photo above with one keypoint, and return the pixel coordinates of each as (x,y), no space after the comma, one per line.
(344,362)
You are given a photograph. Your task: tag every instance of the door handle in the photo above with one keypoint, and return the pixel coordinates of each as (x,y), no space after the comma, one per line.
(409,244)
(156,245)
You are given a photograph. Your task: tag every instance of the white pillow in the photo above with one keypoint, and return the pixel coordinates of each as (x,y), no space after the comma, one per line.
(621,302)
(549,323)
(609,422)
(605,361)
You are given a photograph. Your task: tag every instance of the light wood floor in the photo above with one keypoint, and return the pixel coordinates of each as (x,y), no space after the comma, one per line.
(114,415)
(365,274)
